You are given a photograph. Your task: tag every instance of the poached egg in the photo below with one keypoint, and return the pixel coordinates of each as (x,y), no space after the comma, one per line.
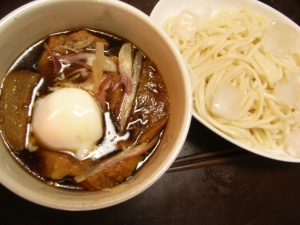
(68,119)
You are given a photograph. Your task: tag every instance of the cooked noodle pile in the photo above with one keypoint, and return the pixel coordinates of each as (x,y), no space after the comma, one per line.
(227,49)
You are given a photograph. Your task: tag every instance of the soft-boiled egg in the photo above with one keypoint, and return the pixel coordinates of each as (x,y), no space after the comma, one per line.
(67,119)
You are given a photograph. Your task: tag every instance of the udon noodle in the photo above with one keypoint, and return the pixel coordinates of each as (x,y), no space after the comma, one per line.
(227,50)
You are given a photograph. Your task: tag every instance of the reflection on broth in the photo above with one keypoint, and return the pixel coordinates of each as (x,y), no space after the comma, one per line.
(83,109)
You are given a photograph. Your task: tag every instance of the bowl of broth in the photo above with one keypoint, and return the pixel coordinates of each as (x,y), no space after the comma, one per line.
(95,103)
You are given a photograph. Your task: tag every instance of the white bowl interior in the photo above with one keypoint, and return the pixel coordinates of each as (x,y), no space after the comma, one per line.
(166,8)
(36,20)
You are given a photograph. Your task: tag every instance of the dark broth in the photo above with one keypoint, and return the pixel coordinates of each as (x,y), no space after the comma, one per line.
(31,162)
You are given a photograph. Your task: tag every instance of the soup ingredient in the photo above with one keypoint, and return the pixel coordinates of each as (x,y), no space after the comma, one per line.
(110,141)
(98,65)
(65,45)
(68,119)
(125,65)
(127,103)
(17,96)
(57,165)
(228,49)
(129,153)
(151,107)
(146,122)
(112,176)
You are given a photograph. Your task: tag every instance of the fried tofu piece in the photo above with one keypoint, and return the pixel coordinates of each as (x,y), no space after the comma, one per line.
(78,39)
(62,44)
(45,65)
(112,176)
(16,97)
(57,165)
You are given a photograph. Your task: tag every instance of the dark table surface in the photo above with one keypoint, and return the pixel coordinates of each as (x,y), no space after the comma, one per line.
(255,190)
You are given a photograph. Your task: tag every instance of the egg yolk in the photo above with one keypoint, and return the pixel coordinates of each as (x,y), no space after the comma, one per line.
(68,119)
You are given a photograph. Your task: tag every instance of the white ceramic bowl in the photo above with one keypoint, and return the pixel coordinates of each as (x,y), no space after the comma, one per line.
(166,8)
(34,21)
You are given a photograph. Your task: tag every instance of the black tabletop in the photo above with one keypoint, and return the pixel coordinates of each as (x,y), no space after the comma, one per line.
(254,190)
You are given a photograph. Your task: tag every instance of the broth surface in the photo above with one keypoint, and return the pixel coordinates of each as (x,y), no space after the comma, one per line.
(145,125)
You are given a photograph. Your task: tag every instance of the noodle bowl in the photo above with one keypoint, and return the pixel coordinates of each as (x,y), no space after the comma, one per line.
(227,50)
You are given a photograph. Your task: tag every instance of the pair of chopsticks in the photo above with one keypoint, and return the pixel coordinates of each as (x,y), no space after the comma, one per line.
(210,158)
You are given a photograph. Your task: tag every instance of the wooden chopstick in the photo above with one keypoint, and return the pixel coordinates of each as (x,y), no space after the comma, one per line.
(210,158)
